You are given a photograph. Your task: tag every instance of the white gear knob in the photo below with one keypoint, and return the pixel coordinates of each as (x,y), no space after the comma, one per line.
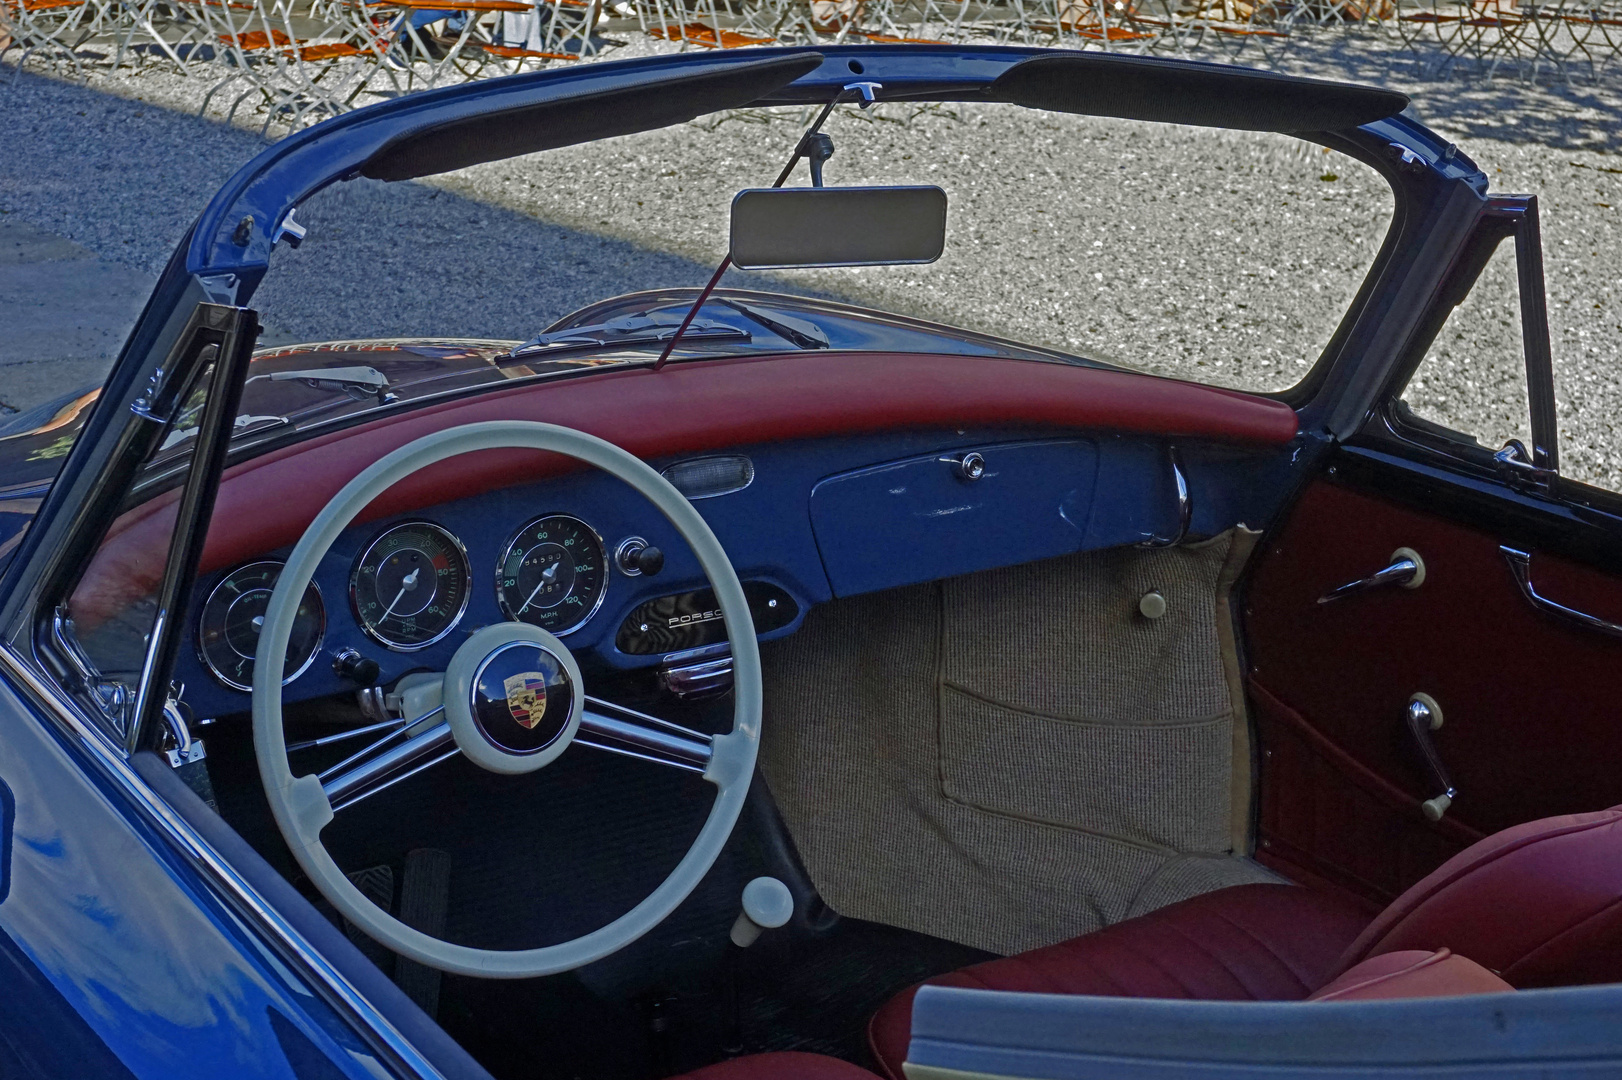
(767,903)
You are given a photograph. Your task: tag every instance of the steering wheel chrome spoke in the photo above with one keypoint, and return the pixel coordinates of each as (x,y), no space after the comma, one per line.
(619,730)
(386,762)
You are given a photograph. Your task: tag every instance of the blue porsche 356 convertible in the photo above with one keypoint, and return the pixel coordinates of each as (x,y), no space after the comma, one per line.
(769,686)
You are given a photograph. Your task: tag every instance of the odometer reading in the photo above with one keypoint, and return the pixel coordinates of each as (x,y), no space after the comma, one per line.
(234,613)
(410,586)
(552,574)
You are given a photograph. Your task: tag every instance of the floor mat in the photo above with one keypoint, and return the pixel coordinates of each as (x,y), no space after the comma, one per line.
(1010,758)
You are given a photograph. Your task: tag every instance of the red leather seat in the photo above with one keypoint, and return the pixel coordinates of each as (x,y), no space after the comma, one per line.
(1411,973)
(1539,904)
(1245,943)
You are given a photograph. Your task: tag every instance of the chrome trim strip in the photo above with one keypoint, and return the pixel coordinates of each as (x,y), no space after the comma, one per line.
(1185,504)
(340,994)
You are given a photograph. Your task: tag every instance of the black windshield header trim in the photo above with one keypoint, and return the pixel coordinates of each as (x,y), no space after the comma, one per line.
(662,100)
(1190,92)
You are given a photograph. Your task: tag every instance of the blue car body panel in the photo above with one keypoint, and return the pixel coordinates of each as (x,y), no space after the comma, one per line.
(135,965)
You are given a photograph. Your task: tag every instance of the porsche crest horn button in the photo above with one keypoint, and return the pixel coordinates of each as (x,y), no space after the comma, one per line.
(522,698)
(526,697)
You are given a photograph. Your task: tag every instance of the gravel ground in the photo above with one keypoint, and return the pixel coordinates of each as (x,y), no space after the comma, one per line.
(1221,256)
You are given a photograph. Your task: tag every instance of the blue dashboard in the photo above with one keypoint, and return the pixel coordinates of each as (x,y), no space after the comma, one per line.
(816,520)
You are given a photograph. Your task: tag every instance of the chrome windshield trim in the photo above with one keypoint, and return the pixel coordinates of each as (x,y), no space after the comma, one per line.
(392,1048)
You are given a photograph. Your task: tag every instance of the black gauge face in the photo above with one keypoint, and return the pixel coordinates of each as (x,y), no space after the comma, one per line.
(552,574)
(410,586)
(228,631)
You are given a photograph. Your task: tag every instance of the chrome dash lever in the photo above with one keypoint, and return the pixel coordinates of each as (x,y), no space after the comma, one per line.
(1407,569)
(1424,717)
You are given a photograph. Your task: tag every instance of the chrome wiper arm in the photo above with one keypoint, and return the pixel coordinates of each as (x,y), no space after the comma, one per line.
(360,382)
(806,335)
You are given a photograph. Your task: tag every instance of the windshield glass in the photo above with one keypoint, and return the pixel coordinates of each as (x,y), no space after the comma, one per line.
(1225,257)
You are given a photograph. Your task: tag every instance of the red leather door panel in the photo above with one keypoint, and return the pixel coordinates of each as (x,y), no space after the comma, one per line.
(1532,706)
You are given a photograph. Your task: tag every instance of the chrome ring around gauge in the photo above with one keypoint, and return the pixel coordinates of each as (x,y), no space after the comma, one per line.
(552,574)
(229,622)
(410,585)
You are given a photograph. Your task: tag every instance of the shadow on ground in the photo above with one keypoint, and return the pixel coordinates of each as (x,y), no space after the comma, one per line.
(1577,106)
(123,184)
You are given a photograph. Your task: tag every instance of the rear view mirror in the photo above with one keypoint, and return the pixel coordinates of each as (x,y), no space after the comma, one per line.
(777,228)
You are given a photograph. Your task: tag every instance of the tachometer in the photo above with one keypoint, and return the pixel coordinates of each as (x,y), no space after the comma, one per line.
(228,629)
(410,586)
(553,574)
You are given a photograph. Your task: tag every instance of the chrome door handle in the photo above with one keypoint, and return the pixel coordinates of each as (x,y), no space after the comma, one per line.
(1407,569)
(1520,564)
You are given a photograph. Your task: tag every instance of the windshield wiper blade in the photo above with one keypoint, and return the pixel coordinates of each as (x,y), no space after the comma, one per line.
(807,335)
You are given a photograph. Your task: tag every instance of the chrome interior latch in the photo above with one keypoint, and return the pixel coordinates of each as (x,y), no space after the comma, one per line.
(1425,716)
(1520,565)
(1407,569)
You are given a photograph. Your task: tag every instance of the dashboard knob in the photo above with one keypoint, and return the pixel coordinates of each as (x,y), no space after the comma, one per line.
(637,557)
(350,664)
(650,560)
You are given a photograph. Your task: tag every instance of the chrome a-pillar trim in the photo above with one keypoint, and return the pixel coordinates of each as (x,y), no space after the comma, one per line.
(336,991)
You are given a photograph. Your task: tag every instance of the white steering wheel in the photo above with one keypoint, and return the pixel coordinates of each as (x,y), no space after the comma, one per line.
(496,666)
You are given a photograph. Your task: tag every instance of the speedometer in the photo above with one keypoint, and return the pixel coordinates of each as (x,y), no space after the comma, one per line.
(228,628)
(410,586)
(553,574)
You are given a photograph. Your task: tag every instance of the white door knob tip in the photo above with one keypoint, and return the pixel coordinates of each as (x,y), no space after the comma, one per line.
(767,903)
(1435,808)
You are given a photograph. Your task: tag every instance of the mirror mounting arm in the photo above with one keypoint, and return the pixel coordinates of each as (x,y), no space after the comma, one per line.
(863,90)
(819,149)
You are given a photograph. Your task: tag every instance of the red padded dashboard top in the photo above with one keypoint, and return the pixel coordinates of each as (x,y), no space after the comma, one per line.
(267,502)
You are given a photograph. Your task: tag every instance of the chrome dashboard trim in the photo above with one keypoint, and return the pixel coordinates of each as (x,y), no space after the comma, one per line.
(393,1049)
(674,473)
